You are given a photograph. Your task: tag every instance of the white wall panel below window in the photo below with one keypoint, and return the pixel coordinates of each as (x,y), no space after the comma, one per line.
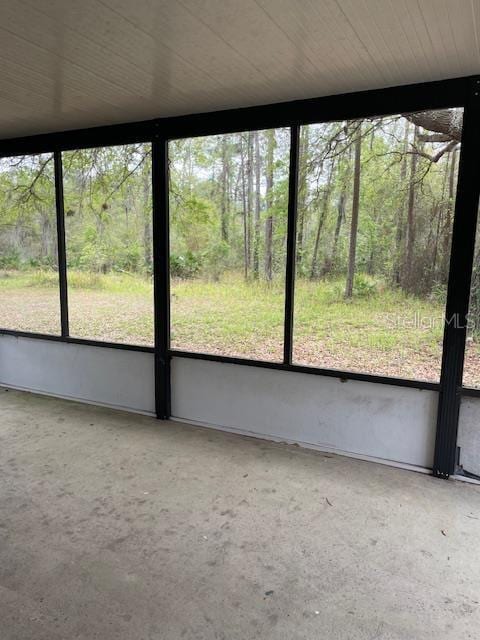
(469,435)
(392,423)
(112,377)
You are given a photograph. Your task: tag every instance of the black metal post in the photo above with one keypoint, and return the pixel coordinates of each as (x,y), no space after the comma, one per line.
(161,276)
(458,295)
(291,243)
(62,255)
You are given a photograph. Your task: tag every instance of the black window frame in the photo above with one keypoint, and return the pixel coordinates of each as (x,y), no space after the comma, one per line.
(458,92)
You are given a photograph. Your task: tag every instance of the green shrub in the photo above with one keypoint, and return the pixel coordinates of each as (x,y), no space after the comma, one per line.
(216,259)
(47,262)
(438,293)
(9,259)
(364,286)
(185,265)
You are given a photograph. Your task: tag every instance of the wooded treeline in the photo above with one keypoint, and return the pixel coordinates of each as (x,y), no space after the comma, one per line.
(375,198)
(28,236)
(228,201)
(108,209)
(107,203)
(375,205)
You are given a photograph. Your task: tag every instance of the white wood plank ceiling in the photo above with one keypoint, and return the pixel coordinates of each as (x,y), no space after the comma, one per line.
(77,63)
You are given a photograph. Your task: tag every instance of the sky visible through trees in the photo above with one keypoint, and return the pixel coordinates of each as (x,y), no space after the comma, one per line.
(376,202)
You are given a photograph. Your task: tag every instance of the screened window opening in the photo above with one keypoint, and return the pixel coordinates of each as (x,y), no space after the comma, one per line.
(29,281)
(228,220)
(108,227)
(375,211)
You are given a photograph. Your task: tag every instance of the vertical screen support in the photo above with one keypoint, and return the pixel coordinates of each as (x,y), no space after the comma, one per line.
(459,281)
(161,276)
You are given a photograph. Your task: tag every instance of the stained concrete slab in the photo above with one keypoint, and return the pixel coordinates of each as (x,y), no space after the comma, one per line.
(120,526)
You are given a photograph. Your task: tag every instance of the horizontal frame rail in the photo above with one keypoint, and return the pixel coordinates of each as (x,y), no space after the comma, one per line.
(264,364)
(344,376)
(71,340)
(363,104)
(470,392)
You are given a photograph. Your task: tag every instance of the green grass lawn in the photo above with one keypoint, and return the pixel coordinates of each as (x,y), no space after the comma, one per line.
(386,333)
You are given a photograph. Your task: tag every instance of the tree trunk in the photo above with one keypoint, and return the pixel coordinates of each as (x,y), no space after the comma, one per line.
(329,263)
(224,189)
(442,209)
(409,267)
(256,226)
(46,235)
(355,211)
(436,212)
(447,234)
(400,232)
(249,194)
(245,210)
(321,222)
(147,218)
(269,204)
(302,192)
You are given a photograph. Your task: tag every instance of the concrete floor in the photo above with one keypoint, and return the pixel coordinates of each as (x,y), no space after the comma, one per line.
(119,526)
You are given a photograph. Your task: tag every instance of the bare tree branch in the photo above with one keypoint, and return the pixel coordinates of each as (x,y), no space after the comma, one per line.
(444,121)
(434,137)
(435,158)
